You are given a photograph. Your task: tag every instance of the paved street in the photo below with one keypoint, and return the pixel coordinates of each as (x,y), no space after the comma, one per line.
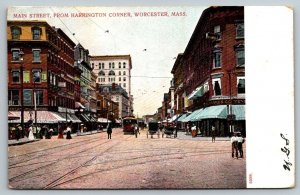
(124,162)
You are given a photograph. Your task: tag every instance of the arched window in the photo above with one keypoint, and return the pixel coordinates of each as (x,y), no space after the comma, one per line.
(101,73)
(111,73)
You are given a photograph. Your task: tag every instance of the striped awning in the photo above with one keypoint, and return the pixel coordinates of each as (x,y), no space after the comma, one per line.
(42,117)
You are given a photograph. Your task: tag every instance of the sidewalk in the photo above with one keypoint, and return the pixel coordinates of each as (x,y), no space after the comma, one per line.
(21,141)
(25,140)
(87,133)
(183,136)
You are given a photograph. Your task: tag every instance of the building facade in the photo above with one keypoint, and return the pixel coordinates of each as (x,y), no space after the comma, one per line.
(114,69)
(214,76)
(118,95)
(87,106)
(41,62)
(178,75)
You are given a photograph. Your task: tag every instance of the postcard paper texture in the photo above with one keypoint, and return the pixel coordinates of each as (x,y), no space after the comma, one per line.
(150,97)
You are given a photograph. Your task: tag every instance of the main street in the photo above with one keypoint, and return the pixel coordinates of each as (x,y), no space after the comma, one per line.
(124,162)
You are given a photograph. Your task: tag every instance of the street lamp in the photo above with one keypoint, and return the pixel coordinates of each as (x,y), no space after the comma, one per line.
(21,53)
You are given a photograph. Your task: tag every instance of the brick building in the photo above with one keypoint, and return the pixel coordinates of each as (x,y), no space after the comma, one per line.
(178,75)
(214,76)
(41,60)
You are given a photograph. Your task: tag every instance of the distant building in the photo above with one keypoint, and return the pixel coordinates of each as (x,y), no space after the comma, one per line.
(116,94)
(114,69)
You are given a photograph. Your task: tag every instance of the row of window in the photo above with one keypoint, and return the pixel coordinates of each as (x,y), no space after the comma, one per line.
(17,31)
(239,54)
(36,55)
(28,98)
(111,79)
(110,73)
(217,86)
(239,31)
(36,32)
(36,76)
(111,65)
(14,97)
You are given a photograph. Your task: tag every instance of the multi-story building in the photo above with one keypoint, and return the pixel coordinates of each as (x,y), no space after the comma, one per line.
(87,99)
(166,106)
(107,110)
(178,74)
(40,61)
(214,64)
(114,69)
(116,94)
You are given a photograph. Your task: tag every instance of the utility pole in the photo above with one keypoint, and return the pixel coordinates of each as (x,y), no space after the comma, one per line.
(22,89)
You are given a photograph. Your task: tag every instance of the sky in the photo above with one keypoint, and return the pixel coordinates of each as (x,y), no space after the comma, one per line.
(153,42)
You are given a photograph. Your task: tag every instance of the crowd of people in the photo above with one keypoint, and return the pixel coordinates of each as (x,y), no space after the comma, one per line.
(39,132)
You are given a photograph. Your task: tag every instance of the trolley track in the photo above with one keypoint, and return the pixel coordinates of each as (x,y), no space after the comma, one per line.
(21,177)
(13,165)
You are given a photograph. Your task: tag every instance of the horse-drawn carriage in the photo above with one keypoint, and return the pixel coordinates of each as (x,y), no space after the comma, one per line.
(169,131)
(153,129)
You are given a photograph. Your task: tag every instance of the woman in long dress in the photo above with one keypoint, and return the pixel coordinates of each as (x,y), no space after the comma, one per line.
(68,131)
(30,134)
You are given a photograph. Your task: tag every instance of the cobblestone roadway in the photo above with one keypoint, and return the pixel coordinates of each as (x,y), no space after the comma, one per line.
(94,162)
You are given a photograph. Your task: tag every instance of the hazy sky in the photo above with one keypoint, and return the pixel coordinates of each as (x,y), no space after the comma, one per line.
(152,41)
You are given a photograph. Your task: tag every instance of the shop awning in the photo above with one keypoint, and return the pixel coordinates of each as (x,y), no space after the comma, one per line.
(198,92)
(103,120)
(73,118)
(192,115)
(182,117)
(92,119)
(85,117)
(239,112)
(78,105)
(175,117)
(12,116)
(219,112)
(42,117)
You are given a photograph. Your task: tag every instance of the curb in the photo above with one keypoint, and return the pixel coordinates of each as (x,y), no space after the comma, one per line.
(21,143)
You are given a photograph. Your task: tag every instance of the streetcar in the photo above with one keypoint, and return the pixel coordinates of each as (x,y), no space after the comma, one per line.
(129,123)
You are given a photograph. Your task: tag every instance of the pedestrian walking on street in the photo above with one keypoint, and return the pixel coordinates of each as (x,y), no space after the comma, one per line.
(18,129)
(61,132)
(30,133)
(176,130)
(68,131)
(240,141)
(136,130)
(213,134)
(109,131)
(234,148)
